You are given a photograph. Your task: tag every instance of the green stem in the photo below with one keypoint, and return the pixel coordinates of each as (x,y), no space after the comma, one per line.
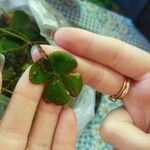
(14,35)
(18,48)
(25,45)
(5,90)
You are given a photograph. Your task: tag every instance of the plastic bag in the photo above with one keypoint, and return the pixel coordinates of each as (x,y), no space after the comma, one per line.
(49,20)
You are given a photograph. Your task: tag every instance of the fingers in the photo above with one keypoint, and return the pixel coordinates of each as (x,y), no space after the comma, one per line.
(119,56)
(43,129)
(20,112)
(52,124)
(95,75)
(65,134)
(118,130)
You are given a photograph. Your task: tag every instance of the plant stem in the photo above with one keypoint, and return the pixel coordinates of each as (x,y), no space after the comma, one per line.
(5,90)
(17,49)
(14,35)
(25,45)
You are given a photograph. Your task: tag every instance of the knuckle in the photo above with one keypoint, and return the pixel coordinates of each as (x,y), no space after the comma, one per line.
(97,79)
(90,46)
(10,133)
(118,55)
(39,146)
(107,130)
(23,96)
(16,141)
(69,116)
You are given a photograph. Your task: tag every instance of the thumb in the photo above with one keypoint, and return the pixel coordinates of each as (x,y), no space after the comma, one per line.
(118,130)
(2,61)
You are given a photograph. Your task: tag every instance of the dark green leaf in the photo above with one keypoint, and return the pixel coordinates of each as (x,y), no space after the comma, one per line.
(19,20)
(22,22)
(73,83)
(3,104)
(12,30)
(8,74)
(17,31)
(3,21)
(41,71)
(56,93)
(7,43)
(25,66)
(62,63)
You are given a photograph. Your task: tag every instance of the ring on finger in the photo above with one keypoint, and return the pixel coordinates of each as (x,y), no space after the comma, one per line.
(123,91)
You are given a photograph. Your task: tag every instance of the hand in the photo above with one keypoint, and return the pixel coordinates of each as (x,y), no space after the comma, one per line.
(31,124)
(103,63)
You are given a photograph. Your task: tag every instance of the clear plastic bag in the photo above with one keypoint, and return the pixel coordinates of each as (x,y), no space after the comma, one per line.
(49,20)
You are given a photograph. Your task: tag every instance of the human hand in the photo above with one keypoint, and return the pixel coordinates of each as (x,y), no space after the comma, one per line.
(31,124)
(103,63)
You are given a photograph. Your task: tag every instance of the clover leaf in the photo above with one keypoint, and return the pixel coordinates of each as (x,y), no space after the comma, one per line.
(41,71)
(62,63)
(56,70)
(73,83)
(56,93)
(4,100)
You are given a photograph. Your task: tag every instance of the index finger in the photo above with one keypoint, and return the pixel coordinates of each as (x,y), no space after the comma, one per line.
(22,107)
(117,55)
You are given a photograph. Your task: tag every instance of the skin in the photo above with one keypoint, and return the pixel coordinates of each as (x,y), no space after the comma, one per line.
(103,63)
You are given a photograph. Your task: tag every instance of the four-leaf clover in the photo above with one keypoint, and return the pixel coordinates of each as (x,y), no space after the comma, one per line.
(57,72)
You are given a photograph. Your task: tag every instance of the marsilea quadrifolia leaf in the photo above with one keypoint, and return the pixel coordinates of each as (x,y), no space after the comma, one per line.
(56,70)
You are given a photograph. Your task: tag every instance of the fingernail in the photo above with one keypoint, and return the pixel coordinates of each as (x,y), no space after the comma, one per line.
(35,53)
(2,61)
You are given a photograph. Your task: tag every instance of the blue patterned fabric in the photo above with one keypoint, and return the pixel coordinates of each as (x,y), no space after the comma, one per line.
(139,12)
(101,21)
(90,138)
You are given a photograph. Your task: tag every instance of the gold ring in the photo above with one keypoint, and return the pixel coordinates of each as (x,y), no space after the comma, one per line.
(123,91)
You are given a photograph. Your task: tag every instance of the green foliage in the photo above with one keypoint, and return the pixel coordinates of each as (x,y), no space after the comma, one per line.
(109,4)
(7,43)
(62,63)
(56,93)
(22,23)
(3,104)
(17,32)
(73,83)
(56,70)
(41,71)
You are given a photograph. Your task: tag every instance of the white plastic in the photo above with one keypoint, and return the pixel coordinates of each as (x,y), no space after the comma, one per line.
(49,20)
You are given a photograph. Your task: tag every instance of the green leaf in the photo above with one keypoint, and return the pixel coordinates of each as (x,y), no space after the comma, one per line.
(73,83)
(62,63)
(56,93)
(3,104)
(41,71)
(8,74)
(23,23)
(62,85)
(7,43)
(25,66)
(19,20)
(12,30)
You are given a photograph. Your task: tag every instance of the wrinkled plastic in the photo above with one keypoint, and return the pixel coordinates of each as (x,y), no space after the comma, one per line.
(49,20)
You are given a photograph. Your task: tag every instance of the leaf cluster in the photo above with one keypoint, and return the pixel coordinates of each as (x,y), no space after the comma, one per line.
(57,71)
(18,31)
